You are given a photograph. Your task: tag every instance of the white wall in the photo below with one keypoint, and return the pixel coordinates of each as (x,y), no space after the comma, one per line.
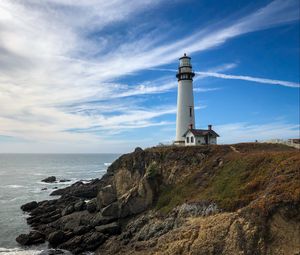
(185,99)
(199,140)
(190,135)
(212,140)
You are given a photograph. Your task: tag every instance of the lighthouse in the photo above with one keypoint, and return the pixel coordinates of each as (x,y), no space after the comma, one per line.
(185,118)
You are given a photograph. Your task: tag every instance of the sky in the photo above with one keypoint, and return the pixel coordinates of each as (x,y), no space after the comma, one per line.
(95,76)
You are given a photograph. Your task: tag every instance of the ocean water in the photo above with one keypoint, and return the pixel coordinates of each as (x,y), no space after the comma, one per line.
(20,182)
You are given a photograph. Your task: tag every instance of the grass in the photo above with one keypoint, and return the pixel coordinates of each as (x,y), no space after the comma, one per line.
(264,178)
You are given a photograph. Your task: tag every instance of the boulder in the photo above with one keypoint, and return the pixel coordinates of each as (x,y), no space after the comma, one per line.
(110,229)
(111,210)
(91,206)
(73,244)
(80,230)
(79,206)
(106,196)
(93,240)
(49,179)
(34,237)
(29,206)
(56,238)
(68,210)
(138,199)
(99,219)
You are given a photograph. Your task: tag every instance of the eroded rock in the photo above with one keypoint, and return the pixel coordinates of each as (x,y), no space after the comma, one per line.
(34,237)
(29,206)
(110,229)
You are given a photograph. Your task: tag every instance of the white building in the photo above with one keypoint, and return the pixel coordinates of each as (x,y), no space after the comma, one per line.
(200,136)
(186,134)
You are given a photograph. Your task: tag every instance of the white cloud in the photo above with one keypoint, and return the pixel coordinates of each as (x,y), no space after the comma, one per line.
(250,78)
(55,60)
(247,132)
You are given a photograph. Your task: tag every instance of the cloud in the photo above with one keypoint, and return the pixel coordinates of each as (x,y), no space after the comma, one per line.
(250,78)
(59,66)
(247,132)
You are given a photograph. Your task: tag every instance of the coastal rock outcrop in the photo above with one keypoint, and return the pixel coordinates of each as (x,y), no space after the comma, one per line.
(34,237)
(49,179)
(29,206)
(180,200)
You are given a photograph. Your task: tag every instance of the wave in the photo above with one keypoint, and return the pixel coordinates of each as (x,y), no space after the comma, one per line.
(107,164)
(72,180)
(100,171)
(14,186)
(18,251)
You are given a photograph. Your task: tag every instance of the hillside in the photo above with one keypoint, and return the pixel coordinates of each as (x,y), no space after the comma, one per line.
(229,199)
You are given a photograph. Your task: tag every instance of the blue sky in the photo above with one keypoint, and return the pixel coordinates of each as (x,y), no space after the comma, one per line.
(99,76)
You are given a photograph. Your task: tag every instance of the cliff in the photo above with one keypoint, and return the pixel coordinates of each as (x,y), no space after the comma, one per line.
(239,199)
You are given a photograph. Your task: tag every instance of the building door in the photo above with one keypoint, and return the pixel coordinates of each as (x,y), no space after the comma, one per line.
(206,139)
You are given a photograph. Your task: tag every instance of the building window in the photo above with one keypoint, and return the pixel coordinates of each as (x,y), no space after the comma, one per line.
(192,139)
(187,140)
(190,111)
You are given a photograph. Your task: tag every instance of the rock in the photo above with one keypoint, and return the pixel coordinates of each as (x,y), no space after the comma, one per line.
(29,206)
(80,230)
(138,150)
(93,240)
(56,238)
(79,189)
(73,244)
(156,229)
(99,219)
(106,196)
(64,180)
(196,209)
(34,237)
(44,189)
(138,199)
(79,206)
(68,210)
(55,188)
(91,206)
(49,179)
(110,229)
(111,210)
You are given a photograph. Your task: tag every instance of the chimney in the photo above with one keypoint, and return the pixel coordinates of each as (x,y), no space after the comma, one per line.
(209,127)
(191,126)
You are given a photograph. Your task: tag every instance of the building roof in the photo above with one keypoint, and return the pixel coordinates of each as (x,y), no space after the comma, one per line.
(202,132)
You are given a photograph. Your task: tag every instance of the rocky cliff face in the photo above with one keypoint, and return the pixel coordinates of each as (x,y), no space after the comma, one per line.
(241,199)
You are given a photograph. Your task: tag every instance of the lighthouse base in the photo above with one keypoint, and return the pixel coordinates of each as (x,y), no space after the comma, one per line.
(179,143)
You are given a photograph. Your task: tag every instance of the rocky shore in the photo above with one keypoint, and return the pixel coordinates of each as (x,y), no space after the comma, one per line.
(179,200)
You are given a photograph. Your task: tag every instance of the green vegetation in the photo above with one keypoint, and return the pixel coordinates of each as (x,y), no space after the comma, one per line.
(152,170)
(263,179)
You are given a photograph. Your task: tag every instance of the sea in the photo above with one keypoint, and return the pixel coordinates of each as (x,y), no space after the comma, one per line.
(20,182)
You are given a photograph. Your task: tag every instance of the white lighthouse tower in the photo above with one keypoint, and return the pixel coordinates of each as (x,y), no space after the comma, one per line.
(185,118)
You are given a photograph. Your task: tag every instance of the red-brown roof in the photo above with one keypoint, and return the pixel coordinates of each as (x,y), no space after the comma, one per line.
(202,132)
